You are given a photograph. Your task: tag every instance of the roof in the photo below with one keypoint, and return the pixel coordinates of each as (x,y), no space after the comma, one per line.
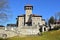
(12,25)
(29,7)
(21,15)
(2,26)
(33,15)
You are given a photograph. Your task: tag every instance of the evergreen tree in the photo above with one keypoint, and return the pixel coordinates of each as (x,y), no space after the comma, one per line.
(51,20)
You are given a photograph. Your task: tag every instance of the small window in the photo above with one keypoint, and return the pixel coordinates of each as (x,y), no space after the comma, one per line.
(27,8)
(30,8)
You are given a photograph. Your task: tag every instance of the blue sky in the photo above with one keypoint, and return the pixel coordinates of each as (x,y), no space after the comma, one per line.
(45,8)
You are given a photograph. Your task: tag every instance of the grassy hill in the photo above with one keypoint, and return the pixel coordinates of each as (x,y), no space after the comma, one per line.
(51,35)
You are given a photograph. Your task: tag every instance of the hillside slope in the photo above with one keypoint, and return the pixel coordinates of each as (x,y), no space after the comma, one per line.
(51,35)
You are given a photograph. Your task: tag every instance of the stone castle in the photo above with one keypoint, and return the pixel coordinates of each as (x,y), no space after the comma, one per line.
(27,24)
(29,19)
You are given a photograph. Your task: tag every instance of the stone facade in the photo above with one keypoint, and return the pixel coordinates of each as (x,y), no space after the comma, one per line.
(29,23)
(29,18)
(20,21)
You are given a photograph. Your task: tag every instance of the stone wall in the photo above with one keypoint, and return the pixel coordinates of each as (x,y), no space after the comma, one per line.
(36,21)
(20,21)
(28,30)
(8,33)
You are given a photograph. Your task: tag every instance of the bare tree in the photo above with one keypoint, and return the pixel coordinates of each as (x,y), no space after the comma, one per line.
(3,11)
(3,5)
(57,16)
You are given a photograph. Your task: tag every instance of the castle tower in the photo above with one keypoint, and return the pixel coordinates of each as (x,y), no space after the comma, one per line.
(28,10)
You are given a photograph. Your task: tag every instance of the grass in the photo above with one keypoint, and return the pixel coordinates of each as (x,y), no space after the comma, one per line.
(51,35)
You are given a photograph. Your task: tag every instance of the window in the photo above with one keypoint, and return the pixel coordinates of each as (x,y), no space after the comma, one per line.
(27,8)
(30,8)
